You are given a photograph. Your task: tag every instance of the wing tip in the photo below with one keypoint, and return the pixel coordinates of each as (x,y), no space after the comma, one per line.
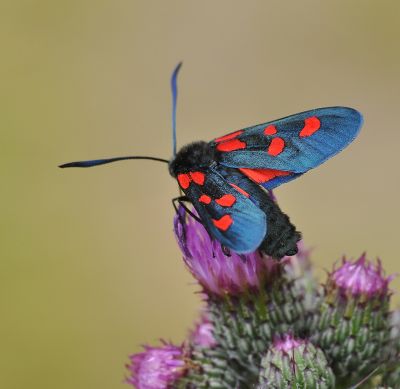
(356,119)
(357,115)
(351,116)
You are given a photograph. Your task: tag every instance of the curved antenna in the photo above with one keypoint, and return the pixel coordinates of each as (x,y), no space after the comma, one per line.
(174,90)
(96,162)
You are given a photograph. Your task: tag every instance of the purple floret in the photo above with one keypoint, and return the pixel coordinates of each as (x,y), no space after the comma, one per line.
(156,367)
(361,277)
(202,335)
(287,343)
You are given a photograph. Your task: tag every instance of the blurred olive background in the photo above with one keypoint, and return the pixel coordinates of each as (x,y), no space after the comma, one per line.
(89,265)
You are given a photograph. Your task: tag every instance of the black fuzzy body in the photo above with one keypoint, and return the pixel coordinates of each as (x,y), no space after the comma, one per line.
(281,237)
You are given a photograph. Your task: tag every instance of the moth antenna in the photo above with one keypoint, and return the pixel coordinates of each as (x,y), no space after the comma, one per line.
(96,162)
(174,90)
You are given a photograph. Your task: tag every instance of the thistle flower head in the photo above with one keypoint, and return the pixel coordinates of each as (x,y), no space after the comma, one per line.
(156,367)
(292,362)
(353,327)
(361,277)
(202,335)
(218,273)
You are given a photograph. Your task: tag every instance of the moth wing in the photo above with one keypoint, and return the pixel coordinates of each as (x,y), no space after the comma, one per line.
(227,214)
(294,144)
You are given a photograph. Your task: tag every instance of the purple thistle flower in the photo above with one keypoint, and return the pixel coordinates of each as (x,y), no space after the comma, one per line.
(361,277)
(216,272)
(202,335)
(156,367)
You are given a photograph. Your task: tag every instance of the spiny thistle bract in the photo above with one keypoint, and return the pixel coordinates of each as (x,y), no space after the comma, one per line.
(391,374)
(268,324)
(297,363)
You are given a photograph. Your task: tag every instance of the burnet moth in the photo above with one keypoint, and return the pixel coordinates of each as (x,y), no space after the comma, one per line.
(229,180)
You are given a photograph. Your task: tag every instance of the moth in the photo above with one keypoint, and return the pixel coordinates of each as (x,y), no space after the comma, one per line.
(229,180)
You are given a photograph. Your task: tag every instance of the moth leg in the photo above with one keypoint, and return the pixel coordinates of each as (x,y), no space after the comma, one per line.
(272,195)
(242,257)
(181,201)
(226,251)
(177,199)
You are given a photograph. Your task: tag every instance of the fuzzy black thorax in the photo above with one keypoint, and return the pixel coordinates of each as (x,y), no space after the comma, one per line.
(192,157)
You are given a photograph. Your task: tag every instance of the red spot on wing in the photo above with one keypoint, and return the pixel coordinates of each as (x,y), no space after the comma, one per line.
(223,223)
(311,125)
(276,146)
(229,136)
(240,190)
(260,176)
(270,130)
(184,180)
(231,145)
(226,200)
(205,199)
(198,177)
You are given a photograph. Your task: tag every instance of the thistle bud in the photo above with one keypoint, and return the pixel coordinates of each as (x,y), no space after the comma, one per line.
(156,367)
(391,374)
(202,336)
(295,363)
(353,327)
